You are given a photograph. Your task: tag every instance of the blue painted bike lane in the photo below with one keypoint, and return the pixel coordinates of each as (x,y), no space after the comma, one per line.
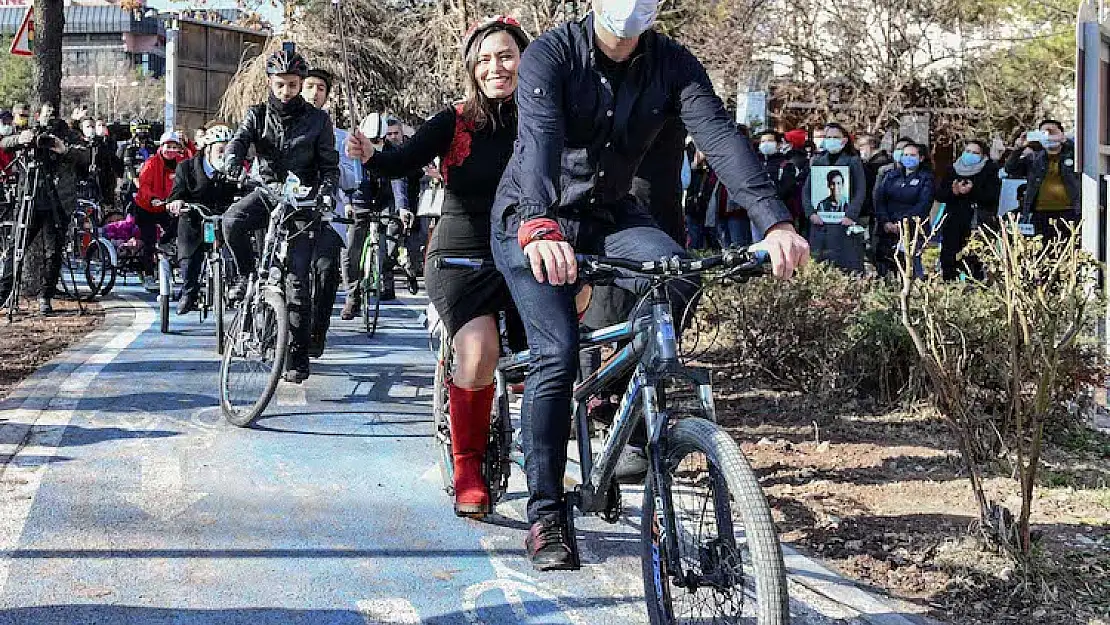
(133,502)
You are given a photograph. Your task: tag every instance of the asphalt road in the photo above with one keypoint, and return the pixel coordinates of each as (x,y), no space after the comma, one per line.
(126,499)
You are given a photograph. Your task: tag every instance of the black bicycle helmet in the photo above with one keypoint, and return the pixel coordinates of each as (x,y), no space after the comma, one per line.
(285,62)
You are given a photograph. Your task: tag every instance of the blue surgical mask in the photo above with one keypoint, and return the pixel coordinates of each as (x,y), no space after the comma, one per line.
(971,159)
(6,129)
(897,155)
(1049,144)
(833,145)
(767,148)
(627,19)
(910,162)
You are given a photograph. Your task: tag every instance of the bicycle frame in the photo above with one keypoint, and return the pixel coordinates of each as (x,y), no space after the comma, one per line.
(649,350)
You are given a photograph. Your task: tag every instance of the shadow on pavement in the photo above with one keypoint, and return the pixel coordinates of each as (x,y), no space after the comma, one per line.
(491,608)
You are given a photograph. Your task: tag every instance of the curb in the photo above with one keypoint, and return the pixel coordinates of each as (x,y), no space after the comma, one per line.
(829,585)
(23,405)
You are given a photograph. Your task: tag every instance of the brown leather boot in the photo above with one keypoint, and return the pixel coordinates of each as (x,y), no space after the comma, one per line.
(470,416)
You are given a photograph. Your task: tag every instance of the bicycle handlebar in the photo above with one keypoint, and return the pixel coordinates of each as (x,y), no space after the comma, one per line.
(738,261)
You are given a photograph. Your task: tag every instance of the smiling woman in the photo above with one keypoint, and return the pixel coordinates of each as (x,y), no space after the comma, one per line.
(474,141)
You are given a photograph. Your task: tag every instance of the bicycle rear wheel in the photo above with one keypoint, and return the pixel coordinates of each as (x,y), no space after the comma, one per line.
(727,543)
(254,357)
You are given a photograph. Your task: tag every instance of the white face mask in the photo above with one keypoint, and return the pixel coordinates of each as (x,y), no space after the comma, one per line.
(219,163)
(88,132)
(627,19)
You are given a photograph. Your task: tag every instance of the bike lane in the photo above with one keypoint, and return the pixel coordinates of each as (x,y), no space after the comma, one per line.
(132,501)
(142,505)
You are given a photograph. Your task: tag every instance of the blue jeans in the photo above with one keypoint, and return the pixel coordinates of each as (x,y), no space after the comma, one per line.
(551,324)
(734,230)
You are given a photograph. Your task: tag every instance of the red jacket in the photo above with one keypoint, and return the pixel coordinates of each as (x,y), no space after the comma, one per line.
(155,183)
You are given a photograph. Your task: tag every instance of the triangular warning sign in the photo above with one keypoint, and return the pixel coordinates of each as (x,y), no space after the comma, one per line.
(23,43)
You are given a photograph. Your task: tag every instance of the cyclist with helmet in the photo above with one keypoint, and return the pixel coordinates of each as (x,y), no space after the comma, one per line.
(474,141)
(155,183)
(289,136)
(199,180)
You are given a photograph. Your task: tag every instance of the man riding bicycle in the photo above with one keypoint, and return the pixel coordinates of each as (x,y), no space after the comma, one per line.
(326,266)
(593,95)
(199,180)
(289,136)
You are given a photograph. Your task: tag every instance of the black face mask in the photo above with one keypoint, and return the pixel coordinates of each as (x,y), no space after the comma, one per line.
(288,109)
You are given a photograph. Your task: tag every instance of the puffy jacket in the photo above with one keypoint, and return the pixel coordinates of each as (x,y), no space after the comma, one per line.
(902,194)
(155,183)
(302,143)
(1034,168)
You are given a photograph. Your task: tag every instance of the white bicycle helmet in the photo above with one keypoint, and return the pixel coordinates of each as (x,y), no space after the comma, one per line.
(217,134)
(171,136)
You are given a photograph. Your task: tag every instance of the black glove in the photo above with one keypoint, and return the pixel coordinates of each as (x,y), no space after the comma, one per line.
(233,170)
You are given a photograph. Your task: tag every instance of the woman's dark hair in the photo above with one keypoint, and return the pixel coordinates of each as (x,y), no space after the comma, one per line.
(477,108)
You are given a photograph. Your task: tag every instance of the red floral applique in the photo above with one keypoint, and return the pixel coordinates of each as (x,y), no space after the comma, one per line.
(460,143)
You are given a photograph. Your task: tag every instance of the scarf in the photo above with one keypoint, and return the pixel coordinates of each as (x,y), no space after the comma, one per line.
(287,111)
(965,171)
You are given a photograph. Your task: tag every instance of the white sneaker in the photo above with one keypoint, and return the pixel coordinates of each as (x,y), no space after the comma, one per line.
(150,284)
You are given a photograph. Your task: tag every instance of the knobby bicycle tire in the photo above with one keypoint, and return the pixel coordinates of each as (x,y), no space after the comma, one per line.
(697,435)
(243,417)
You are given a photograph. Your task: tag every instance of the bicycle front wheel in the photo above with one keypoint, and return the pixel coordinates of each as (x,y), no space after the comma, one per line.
(216,288)
(254,356)
(372,288)
(731,560)
(100,272)
(442,417)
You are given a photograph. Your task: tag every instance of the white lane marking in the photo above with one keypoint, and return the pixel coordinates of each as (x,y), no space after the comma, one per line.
(289,394)
(389,612)
(20,481)
(162,493)
(513,585)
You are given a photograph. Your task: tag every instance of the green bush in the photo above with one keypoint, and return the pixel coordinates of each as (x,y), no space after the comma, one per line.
(828,332)
(823,331)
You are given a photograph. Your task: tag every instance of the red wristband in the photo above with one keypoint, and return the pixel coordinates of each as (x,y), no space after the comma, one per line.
(542,229)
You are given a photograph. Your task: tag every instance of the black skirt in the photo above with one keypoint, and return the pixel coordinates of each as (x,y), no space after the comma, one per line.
(462,294)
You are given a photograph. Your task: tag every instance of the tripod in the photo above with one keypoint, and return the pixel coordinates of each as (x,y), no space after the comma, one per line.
(16,233)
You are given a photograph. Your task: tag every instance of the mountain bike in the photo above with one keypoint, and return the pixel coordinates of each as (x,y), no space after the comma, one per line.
(258,338)
(708,541)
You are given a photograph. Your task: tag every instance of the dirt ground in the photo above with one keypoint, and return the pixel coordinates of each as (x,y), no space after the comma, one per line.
(31,339)
(882,498)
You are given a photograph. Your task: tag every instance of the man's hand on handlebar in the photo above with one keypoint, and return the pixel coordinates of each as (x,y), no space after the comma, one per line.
(553,259)
(174,207)
(787,249)
(407,218)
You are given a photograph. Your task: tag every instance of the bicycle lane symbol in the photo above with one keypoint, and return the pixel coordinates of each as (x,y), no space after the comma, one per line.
(516,587)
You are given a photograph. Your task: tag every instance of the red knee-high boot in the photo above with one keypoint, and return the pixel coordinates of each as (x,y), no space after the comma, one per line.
(470,415)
